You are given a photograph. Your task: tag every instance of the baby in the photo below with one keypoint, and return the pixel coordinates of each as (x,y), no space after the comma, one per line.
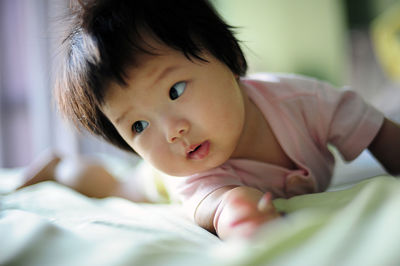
(166,80)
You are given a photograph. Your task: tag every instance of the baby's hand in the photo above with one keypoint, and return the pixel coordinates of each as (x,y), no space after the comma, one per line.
(244,213)
(264,212)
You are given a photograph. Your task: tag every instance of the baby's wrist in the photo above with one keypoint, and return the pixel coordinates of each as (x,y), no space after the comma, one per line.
(236,206)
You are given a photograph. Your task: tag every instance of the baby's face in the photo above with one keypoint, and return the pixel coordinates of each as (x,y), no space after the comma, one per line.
(181,116)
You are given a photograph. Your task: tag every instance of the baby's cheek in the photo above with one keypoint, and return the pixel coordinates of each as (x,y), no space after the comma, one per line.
(147,147)
(160,157)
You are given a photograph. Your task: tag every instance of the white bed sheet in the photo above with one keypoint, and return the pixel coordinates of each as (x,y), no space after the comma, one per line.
(48,224)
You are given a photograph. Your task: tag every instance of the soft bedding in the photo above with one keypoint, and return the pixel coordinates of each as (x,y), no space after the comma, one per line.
(48,224)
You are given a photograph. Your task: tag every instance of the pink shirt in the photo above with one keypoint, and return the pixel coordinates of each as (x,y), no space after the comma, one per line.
(305,115)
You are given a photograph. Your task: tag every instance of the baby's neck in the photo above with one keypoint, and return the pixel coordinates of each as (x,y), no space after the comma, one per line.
(258,141)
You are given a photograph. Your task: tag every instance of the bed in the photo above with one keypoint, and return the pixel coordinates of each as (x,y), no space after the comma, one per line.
(354,223)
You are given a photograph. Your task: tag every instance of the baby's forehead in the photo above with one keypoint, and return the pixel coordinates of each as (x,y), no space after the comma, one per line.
(149,65)
(151,72)
(152,54)
(149,69)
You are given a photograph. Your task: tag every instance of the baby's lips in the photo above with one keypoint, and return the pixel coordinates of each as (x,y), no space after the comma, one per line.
(198,152)
(191,148)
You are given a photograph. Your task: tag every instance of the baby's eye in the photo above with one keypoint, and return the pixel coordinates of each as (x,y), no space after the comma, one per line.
(177,90)
(139,126)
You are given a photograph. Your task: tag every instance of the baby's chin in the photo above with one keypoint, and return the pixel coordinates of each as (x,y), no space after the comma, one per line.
(189,167)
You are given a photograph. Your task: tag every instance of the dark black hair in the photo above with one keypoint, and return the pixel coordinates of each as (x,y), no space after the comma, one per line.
(106,36)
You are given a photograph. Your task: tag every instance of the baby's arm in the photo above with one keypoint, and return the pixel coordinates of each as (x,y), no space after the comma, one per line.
(386,147)
(235,211)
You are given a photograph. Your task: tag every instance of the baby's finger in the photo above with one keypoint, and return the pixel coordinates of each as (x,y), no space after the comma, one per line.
(265,203)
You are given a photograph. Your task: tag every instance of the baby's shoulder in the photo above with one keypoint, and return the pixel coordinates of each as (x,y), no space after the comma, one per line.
(283,85)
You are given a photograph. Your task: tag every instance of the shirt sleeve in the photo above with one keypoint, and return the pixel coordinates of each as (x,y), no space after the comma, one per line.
(339,117)
(321,114)
(351,124)
(194,189)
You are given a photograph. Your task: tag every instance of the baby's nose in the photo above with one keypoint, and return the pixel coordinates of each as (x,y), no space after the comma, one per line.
(177,130)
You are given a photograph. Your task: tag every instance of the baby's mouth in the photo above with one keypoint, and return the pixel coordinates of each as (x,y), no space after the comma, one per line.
(199,152)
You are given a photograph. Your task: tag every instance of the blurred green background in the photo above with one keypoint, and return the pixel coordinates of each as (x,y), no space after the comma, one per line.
(308,37)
